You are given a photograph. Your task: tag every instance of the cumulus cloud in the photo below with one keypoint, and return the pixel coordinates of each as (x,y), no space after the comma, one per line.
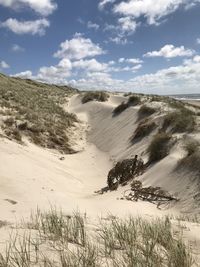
(151,9)
(24,74)
(43,7)
(90,65)
(78,48)
(130,60)
(17,48)
(177,79)
(127,25)
(26,27)
(103,3)
(4,65)
(92,25)
(170,51)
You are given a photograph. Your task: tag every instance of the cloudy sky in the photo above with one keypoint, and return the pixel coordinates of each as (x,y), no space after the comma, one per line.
(149,46)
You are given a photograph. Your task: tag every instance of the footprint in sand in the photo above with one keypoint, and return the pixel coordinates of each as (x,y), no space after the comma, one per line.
(13,202)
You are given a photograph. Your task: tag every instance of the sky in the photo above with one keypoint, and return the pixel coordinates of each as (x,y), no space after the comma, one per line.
(146,46)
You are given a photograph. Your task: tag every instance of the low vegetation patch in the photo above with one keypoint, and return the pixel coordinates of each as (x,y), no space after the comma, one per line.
(159,147)
(144,128)
(56,240)
(132,101)
(119,109)
(35,110)
(95,95)
(180,121)
(145,111)
(191,162)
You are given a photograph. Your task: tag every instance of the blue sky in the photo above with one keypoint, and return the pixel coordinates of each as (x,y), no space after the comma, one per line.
(149,46)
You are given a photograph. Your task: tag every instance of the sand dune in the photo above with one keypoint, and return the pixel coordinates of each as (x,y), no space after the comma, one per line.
(31,176)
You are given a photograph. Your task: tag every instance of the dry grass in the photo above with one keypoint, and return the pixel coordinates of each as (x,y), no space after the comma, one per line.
(179,121)
(113,243)
(144,128)
(191,162)
(35,110)
(132,101)
(95,95)
(159,147)
(146,111)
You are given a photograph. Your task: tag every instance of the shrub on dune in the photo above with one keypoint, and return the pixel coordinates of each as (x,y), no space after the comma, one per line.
(159,147)
(96,95)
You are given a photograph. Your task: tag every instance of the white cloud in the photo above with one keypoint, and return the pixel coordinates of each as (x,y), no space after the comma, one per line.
(127,25)
(130,60)
(178,79)
(26,27)
(121,59)
(24,74)
(78,48)
(91,25)
(4,65)
(17,48)
(170,51)
(105,2)
(151,9)
(43,7)
(90,65)
(119,40)
(198,40)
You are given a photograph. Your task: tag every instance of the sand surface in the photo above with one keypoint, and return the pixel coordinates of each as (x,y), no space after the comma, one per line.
(32,177)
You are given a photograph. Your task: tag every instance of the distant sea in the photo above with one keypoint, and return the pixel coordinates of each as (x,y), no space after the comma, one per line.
(187,97)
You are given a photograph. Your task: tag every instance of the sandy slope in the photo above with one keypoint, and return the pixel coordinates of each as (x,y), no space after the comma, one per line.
(31,176)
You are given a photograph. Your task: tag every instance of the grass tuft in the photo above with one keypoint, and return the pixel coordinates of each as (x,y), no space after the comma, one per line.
(146,111)
(95,95)
(144,128)
(179,121)
(113,243)
(159,147)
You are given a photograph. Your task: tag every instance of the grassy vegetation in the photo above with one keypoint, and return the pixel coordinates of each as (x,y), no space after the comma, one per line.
(34,110)
(159,147)
(95,95)
(132,101)
(119,109)
(145,111)
(52,242)
(144,128)
(191,162)
(180,121)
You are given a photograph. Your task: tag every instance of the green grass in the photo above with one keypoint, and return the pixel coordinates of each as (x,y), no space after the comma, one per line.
(179,121)
(34,110)
(113,243)
(159,147)
(95,96)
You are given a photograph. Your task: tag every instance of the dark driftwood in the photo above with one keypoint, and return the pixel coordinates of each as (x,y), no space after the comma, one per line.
(154,195)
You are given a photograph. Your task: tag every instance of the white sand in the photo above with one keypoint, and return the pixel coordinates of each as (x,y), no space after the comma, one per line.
(33,176)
